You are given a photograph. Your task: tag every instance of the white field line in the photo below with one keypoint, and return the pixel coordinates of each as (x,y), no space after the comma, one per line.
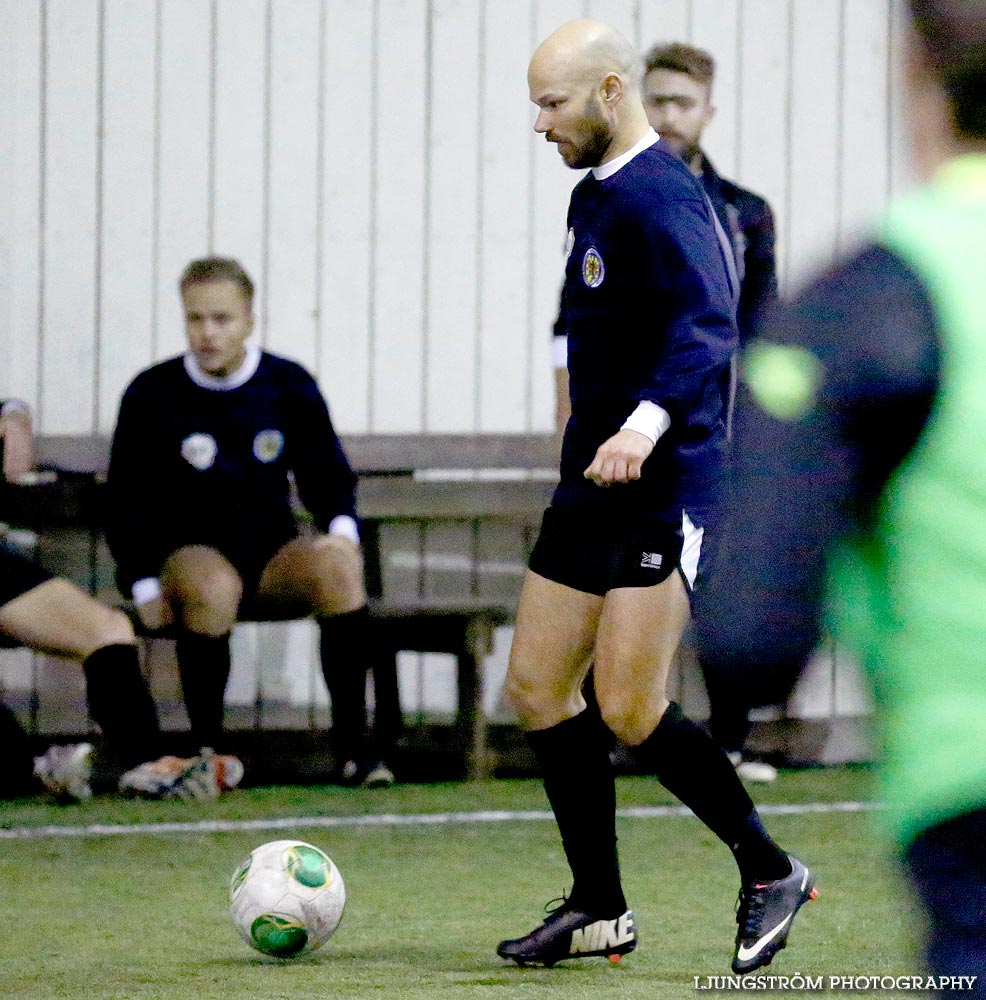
(389,819)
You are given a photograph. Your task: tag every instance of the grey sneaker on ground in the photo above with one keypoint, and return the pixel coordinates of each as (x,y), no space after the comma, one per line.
(754,770)
(65,771)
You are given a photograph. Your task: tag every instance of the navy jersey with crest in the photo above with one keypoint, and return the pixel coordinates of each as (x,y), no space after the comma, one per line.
(208,464)
(649,312)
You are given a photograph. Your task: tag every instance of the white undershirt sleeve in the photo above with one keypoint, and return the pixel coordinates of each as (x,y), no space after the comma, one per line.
(343,524)
(559,352)
(146,589)
(648,419)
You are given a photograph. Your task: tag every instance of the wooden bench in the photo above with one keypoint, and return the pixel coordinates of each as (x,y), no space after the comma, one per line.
(406,482)
(402,483)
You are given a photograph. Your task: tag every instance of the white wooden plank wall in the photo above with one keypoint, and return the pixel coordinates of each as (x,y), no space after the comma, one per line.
(372,164)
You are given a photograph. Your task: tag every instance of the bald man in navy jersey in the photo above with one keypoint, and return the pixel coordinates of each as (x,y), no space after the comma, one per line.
(649,305)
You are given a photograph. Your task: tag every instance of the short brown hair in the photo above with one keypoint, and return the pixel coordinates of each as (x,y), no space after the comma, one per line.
(207,269)
(681,58)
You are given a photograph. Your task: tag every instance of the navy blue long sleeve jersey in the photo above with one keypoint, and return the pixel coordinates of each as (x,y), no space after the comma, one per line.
(649,313)
(206,464)
(748,222)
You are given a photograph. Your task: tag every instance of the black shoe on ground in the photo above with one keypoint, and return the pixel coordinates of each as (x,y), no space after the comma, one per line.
(573,933)
(765,914)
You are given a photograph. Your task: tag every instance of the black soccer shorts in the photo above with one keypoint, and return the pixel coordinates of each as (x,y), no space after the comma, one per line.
(589,552)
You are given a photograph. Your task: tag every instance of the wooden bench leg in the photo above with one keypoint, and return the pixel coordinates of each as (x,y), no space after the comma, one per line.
(478,642)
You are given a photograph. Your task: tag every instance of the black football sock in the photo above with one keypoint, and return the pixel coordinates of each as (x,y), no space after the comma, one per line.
(121,704)
(344,650)
(690,765)
(578,778)
(203,666)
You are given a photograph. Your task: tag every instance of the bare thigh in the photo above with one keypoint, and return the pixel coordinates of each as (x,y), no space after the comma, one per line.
(58,617)
(553,643)
(639,631)
(320,576)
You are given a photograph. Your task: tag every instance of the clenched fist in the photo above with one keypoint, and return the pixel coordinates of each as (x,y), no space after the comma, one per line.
(619,459)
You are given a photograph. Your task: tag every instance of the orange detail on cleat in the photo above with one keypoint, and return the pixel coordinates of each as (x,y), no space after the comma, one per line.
(813,894)
(615,959)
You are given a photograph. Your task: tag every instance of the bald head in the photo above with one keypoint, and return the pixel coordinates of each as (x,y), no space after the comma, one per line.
(584,78)
(586,51)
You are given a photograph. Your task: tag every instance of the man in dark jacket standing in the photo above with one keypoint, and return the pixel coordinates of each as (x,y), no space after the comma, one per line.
(677,94)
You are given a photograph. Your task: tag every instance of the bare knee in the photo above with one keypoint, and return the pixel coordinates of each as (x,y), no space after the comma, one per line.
(520,695)
(538,705)
(211,610)
(337,576)
(206,600)
(631,715)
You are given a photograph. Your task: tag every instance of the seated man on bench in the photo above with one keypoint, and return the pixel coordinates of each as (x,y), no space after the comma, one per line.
(54,616)
(208,449)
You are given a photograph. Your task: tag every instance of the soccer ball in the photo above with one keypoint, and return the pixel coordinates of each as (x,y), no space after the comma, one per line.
(287,898)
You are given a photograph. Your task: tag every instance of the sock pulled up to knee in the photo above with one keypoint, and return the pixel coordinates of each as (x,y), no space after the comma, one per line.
(345,653)
(203,666)
(121,704)
(578,778)
(694,768)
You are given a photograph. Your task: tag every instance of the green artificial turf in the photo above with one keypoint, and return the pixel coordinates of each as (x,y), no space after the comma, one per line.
(145,915)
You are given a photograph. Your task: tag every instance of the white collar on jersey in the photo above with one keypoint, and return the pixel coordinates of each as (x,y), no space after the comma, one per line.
(241,375)
(605,170)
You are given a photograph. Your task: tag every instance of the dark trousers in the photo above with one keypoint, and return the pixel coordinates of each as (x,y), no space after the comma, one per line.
(946,864)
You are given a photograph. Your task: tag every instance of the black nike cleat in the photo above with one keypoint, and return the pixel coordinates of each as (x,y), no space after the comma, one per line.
(572,933)
(765,914)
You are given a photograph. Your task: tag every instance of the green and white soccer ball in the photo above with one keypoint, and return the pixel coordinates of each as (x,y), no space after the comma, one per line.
(287,898)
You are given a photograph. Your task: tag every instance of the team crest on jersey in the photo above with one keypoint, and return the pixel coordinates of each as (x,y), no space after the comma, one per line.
(569,243)
(199,450)
(593,269)
(267,445)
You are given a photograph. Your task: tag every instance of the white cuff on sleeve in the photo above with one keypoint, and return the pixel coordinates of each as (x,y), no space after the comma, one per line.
(559,352)
(146,589)
(648,419)
(343,524)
